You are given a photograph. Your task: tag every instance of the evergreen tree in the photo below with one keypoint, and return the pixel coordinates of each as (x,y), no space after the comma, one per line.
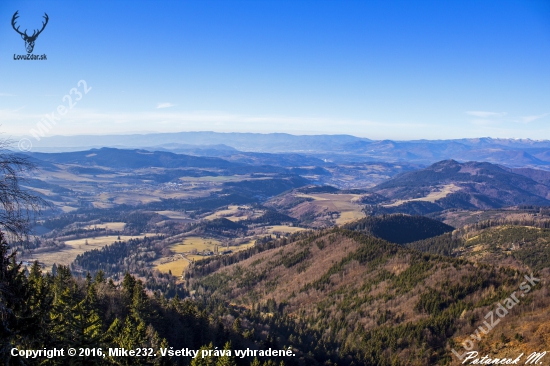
(39,302)
(100,277)
(204,361)
(13,292)
(226,360)
(75,322)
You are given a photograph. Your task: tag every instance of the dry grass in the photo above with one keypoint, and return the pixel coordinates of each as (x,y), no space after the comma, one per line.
(176,264)
(223,178)
(67,209)
(231,210)
(234,214)
(202,244)
(195,242)
(175,215)
(347,205)
(118,226)
(349,216)
(283,229)
(175,267)
(432,196)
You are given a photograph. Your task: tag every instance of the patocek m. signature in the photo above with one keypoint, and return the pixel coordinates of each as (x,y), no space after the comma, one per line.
(472,358)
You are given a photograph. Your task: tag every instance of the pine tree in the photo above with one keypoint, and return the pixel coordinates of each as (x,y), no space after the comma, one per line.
(130,335)
(128,283)
(100,277)
(226,360)
(75,322)
(39,302)
(13,292)
(140,307)
(206,361)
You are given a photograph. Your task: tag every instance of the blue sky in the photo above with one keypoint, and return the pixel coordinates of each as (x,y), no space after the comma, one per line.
(377,69)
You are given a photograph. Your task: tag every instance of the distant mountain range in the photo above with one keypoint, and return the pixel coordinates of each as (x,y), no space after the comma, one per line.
(331,148)
(131,159)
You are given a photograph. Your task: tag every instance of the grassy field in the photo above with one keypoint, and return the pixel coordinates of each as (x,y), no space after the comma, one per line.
(346,204)
(349,216)
(231,210)
(283,229)
(108,226)
(72,248)
(175,215)
(234,214)
(432,196)
(221,178)
(194,242)
(67,209)
(177,265)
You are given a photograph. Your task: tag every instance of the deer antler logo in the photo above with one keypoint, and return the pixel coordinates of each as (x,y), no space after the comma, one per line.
(29,40)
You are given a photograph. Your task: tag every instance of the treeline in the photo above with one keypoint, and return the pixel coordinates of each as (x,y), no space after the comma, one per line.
(540,223)
(220,226)
(271,217)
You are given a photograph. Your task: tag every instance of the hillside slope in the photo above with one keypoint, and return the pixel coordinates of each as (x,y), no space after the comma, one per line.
(132,159)
(361,299)
(449,184)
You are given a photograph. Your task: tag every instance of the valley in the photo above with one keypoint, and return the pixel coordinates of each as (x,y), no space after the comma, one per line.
(371,264)
(275,183)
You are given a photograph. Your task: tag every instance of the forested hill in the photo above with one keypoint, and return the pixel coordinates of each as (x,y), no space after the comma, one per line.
(132,159)
(336,297)
(399,228)
(450,184)
(360,300)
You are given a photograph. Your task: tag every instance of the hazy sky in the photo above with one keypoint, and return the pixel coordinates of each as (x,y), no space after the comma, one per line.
(377,69)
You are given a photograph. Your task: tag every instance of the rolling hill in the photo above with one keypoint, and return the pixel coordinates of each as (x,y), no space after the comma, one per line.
(357,299)
(450,184)
(131,159)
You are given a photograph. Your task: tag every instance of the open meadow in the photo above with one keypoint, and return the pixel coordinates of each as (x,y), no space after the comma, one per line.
(186,252)
(347,205)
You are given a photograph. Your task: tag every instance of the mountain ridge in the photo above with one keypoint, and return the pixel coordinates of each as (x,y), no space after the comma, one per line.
(471,185)
(337,148)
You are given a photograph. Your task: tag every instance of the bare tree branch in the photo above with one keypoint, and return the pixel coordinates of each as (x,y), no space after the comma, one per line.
(18,206)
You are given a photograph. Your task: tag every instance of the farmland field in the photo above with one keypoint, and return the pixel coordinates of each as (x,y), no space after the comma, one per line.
(194,243)
(347,205)
(283,229)
(176,264)
(108,226)
(175,267)
(442,192)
